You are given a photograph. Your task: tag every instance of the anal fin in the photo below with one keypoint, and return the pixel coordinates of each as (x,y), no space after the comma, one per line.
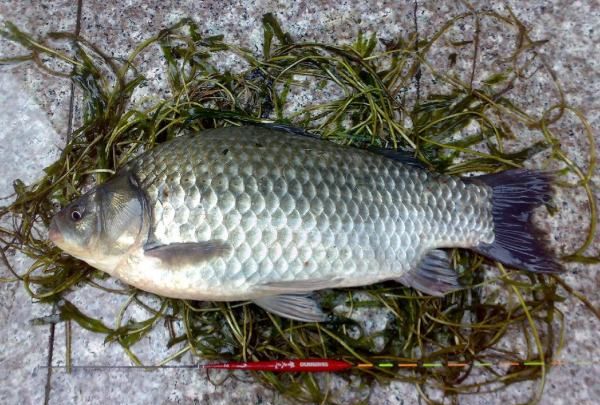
(300,307)
(433,275)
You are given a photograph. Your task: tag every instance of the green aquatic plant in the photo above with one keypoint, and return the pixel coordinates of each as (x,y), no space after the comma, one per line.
(459,126)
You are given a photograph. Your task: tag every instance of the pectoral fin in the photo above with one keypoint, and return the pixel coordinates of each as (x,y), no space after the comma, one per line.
(433,276)
(299,307)
(298,286)
(178,255)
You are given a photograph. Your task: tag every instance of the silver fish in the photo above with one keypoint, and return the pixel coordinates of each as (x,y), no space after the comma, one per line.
(260,214)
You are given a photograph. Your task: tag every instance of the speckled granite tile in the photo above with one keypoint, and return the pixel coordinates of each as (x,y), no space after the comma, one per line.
(50,92)
(117,29)
(167,386)
(24,347)
(571,28)
(339,23)
(23,350)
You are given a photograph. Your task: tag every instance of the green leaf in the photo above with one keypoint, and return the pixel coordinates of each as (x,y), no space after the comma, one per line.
(68,311)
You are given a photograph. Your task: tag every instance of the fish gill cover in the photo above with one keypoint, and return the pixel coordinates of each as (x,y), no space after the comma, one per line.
(455,123)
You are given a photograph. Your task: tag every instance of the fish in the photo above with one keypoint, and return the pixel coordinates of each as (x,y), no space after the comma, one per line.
(271,215)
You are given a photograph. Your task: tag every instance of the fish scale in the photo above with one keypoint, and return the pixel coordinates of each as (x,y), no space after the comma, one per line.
(295,208)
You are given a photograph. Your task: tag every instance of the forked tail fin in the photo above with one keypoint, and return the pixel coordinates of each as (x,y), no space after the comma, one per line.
(518,243)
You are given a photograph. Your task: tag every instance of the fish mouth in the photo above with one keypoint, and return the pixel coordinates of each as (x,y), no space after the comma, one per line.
(54,233)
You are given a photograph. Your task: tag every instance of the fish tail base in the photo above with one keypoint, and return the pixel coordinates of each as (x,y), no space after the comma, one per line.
(518,243)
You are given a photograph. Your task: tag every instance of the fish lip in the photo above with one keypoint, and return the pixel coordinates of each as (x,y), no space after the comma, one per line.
(54,233)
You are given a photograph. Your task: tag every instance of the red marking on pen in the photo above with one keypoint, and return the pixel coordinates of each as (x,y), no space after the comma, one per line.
(284,366)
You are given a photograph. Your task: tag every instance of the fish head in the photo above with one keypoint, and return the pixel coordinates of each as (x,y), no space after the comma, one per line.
(73,229)
(104,224)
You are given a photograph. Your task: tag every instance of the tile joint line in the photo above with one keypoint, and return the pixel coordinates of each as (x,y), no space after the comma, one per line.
(48,386)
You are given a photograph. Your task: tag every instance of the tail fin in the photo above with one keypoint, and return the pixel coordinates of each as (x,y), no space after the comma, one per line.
(517,242)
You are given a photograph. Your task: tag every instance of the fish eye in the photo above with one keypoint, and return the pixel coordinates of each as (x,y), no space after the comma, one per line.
(76,214)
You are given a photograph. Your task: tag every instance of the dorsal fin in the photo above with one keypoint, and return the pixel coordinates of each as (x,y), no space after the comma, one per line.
(289,129)
(403,156)
(399,155)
